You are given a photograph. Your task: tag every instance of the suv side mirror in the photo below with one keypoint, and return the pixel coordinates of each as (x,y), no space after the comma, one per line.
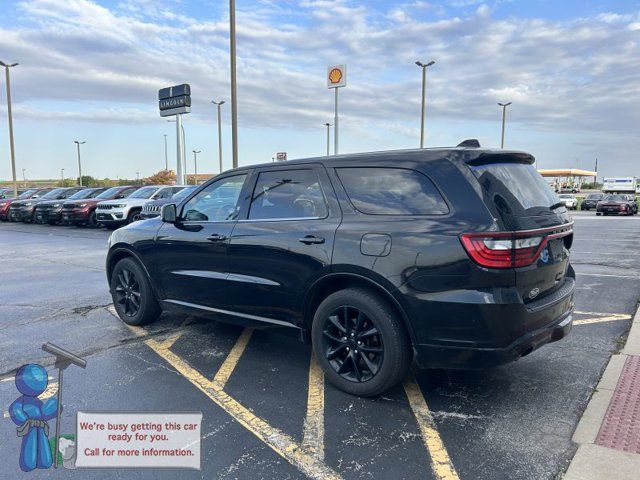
(169,214)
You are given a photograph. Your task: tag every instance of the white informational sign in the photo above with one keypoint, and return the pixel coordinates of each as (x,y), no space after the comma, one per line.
(337,76)
(138,440)
(281,156)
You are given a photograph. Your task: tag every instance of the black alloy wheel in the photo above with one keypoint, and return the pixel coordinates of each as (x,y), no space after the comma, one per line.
(352,344)
(92,222)
(360,342)
(127,292)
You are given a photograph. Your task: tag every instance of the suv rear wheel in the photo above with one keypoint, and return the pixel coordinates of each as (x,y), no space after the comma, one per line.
(132,294)
(360,343)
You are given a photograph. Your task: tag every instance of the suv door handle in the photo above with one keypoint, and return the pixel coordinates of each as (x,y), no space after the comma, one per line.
(216,238)
(310,239)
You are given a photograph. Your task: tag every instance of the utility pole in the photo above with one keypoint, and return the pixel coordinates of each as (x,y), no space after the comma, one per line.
(166,155)
(234,90)
(219,104)
(62,176)
(328,125)
(11,144)
(24,178)
(79,161)
(195,166)
(504,117)
(424,97)
(138,177)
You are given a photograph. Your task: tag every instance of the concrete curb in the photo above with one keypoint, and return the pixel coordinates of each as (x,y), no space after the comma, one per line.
(595,462)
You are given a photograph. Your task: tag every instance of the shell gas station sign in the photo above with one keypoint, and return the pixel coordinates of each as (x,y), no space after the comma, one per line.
(337,76)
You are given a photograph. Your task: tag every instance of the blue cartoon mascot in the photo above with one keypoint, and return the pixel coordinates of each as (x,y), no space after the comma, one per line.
(31,415)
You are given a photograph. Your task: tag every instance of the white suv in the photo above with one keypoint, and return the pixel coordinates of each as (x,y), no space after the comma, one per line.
(113,213)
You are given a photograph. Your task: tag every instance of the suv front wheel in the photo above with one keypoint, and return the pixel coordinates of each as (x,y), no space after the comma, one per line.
(133,297)
(360,343)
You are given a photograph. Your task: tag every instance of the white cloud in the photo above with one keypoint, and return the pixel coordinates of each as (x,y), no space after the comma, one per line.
(578,75)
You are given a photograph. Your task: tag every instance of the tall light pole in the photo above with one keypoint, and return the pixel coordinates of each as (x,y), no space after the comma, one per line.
(504,117)
(182,151)
(24,178)
(11,145)
(78,143)
(328,125)
(423,66)
(195,166)
(62,176)
(234,91)
(219,104)
(138,177)
(166,155)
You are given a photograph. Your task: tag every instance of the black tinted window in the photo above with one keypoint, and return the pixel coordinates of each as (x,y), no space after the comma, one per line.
(516,189)
(392,191)
(288,194)
(217,202)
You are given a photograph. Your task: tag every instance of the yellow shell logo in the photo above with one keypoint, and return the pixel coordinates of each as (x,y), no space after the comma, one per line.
(335,75)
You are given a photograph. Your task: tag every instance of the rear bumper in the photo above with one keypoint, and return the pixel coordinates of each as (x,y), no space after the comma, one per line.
(437,356)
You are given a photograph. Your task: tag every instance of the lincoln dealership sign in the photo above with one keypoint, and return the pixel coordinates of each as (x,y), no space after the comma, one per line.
(174,100)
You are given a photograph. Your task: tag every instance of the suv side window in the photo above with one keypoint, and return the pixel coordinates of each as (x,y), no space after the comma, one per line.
(288,194)
(218,202)
(164,193)
(391,191)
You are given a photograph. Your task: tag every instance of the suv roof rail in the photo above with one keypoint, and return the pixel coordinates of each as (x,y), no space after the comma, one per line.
(470,143)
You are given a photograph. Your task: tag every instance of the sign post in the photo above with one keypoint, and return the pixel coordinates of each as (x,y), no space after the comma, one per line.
(336,78)
(175,101)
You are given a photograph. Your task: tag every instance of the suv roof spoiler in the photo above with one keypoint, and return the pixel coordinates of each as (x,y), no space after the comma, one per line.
(500,157)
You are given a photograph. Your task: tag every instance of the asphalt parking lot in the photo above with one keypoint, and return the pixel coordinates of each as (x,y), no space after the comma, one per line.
(267,411)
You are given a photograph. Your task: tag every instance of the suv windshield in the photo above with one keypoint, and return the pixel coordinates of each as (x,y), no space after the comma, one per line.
(82,194)
(615,198)
(109,193)
(594,196)
(183,193)
(144,192)
(28,193)
(516,189)
(566,196)
(52,194)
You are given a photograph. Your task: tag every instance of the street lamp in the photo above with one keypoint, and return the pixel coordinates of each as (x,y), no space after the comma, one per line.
(195,166)
(62,176)
(78,143)
(234,90)
(24,178)
(328,125)
(504,116)
(11,145)
(423,66)
(219,104)
(138,177)
(166,156)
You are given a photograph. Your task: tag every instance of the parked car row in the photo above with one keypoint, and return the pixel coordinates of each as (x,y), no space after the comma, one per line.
(92,207)
(602,203)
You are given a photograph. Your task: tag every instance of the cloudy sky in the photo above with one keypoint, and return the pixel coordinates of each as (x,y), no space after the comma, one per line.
(90,70)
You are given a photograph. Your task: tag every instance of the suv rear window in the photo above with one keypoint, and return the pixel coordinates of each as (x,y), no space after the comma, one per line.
(391,191)
(516,188)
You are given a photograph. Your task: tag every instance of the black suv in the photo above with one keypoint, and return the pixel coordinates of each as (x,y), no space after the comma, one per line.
(454,257)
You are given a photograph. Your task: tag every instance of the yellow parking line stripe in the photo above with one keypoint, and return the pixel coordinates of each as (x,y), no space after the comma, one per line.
(441,464)
(588,321)
(603,314)
(278,441)
(313,437)
(170,340)
(229,364)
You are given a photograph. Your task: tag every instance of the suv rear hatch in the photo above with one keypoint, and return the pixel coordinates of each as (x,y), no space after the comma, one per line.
(535,230)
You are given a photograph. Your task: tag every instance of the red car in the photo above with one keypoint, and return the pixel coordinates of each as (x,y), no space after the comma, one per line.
(619,204)
(6,202)
(83,212)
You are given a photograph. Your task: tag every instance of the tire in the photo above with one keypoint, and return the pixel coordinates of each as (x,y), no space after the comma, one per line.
(388,350)
(134,216)
(129,284)
(92,222)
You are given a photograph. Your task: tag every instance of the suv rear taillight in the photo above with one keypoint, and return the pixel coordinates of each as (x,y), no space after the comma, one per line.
(510,249)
